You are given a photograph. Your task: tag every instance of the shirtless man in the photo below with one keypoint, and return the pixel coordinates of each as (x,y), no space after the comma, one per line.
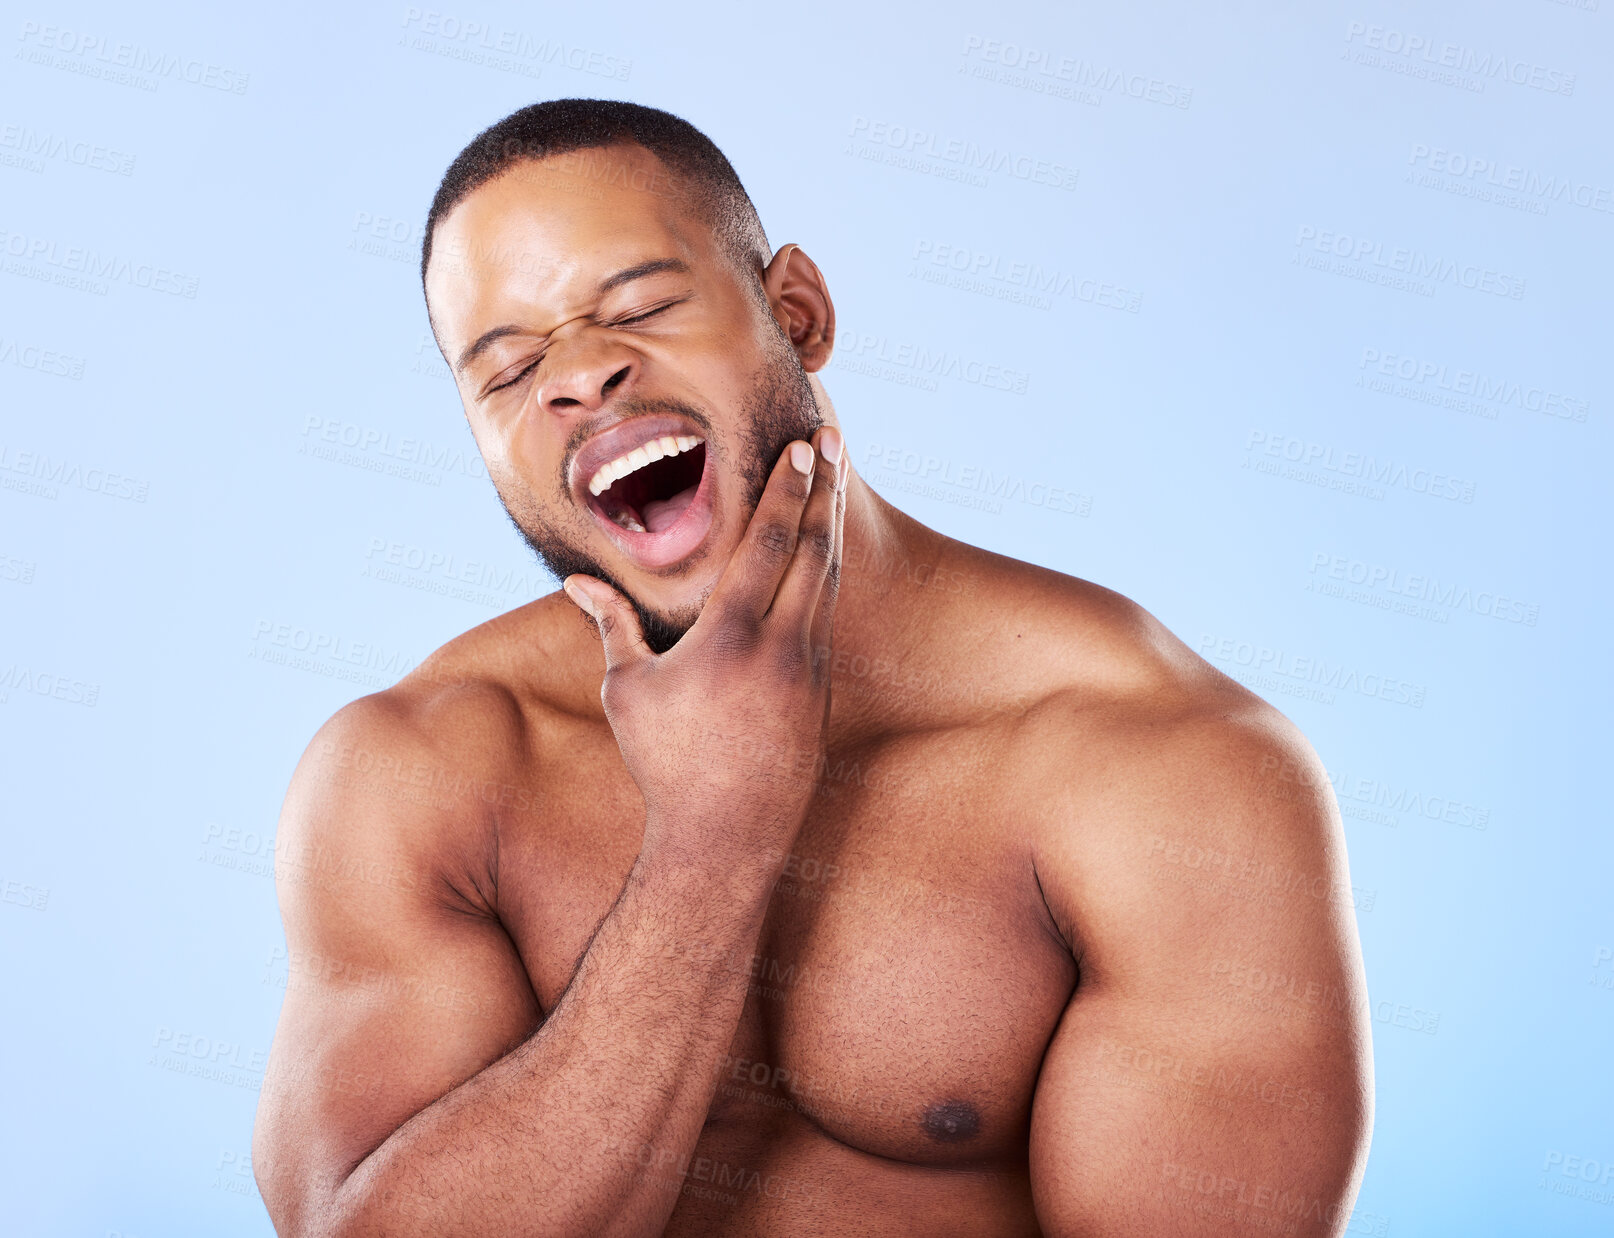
(798,870)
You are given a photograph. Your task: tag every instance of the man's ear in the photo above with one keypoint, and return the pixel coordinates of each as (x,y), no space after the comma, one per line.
(800,302)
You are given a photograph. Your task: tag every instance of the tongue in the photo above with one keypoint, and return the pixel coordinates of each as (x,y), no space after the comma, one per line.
(659,514)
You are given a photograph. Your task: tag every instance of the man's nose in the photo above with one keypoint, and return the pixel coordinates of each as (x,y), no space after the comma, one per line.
(582,372)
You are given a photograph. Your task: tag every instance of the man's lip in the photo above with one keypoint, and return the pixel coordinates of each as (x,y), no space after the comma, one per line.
(619,440)
(665,550)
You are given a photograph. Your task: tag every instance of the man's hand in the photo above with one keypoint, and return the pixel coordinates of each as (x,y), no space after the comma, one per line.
(724,733)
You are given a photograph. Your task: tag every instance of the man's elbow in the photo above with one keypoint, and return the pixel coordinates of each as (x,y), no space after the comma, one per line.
(300,1205)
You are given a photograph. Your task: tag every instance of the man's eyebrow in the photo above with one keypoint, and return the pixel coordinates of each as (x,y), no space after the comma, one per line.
(625,276)
(654,267)
(483,342)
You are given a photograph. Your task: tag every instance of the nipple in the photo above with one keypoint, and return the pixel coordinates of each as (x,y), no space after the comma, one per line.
(951,1121)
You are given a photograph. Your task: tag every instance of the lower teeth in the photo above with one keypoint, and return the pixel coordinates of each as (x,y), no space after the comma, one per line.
(629,523)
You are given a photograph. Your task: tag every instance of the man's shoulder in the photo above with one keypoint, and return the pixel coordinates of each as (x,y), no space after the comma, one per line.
(1139,767)
(528,656)
(1073,645)
(1109,694)
(430,747)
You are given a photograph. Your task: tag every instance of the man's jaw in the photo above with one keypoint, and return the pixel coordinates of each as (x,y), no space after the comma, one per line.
(562,557)
(648,483)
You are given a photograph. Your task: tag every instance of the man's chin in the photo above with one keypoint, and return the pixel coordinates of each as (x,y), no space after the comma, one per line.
(662,632)
(662,629)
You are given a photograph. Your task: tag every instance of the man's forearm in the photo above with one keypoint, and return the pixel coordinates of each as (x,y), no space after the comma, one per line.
(549,1139)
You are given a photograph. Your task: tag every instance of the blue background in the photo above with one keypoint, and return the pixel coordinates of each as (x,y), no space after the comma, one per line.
(238,490)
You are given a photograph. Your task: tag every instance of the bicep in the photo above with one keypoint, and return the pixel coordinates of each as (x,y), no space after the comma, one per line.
(1212,1072)
(394,995)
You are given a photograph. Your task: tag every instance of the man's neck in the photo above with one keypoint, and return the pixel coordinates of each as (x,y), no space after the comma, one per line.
(887,602)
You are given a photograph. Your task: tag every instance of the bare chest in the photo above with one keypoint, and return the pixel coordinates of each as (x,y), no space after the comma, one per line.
(906,981)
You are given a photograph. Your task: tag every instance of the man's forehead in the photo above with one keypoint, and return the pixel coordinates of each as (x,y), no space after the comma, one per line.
(561,220)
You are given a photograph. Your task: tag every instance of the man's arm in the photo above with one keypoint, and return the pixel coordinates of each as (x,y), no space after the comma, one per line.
(407,1092)
(1212,1075)
(383,1116)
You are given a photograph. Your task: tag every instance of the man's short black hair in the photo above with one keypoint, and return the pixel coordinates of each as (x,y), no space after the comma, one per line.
(562,126)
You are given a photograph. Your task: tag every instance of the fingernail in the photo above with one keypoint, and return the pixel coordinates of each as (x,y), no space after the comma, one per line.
(582,599)
(829,442)
(801,457)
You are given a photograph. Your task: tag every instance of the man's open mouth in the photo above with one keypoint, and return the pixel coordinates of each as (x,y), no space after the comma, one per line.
(647,482)
(649,488)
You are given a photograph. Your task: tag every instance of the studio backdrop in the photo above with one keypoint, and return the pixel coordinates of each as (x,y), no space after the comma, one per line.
(1290,322)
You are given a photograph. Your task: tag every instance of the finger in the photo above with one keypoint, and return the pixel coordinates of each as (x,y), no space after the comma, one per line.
(615,617)
(815,560)
(752,575)
(823,627)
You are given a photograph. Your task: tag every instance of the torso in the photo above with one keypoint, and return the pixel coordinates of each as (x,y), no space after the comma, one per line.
(901,994)
(904,988)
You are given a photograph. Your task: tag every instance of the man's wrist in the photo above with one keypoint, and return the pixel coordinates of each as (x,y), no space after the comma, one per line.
(722,858)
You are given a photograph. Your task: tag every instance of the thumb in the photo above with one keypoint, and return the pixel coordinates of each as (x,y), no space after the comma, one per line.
(616,619)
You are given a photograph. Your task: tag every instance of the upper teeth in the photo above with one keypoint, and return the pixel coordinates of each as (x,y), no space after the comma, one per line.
(655,449)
